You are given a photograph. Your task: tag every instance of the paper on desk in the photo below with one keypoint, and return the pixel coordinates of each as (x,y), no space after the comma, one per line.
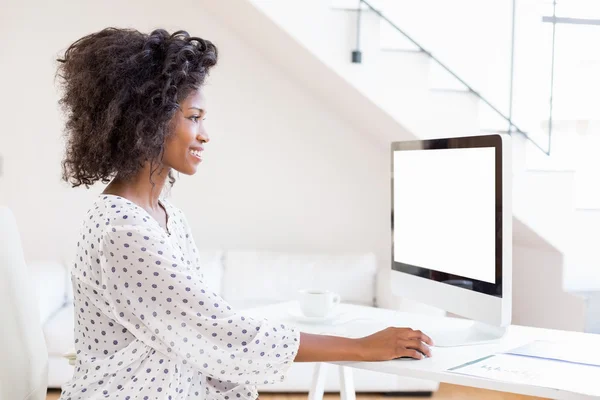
(577,378)
(575,352)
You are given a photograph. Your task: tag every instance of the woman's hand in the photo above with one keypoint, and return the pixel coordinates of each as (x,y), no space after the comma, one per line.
(392,343)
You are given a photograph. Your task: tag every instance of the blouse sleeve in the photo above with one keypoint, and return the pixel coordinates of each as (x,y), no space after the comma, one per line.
(160,303)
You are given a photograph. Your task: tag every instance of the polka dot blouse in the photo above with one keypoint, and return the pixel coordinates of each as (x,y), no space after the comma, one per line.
(148,327)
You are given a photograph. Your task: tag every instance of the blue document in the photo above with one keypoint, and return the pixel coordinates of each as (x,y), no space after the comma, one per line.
(573,352)
(575,378)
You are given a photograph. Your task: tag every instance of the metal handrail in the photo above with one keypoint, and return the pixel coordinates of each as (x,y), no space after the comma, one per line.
(512,127)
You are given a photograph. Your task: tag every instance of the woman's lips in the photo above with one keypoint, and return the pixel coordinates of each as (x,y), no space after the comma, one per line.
(196,154)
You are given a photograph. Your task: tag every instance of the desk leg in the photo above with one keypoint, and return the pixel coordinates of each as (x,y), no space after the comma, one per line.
(317,389)
(347,391)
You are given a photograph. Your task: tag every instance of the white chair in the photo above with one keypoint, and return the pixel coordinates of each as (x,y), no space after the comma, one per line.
(24,366)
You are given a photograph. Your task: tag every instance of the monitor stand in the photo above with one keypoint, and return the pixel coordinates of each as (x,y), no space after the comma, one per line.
(473,334)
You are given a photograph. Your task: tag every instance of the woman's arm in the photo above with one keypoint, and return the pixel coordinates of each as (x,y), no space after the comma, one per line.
(314,348)
(387,344)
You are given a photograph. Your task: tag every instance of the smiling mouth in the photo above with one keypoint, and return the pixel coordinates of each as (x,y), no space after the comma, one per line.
(196,153)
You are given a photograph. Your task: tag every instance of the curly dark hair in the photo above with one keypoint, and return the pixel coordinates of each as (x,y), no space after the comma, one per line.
(120,90)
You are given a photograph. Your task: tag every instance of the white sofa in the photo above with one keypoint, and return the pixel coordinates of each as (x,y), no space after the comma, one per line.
(245,279)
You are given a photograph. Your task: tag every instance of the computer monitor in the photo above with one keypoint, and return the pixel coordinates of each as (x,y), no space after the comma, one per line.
(452,231)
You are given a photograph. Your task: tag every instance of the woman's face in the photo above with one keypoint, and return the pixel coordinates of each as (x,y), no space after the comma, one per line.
(183,148)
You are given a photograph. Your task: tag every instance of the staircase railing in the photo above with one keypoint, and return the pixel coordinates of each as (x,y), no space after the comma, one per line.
(512,127)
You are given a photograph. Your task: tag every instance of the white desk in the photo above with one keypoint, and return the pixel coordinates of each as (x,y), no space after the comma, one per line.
(434,368)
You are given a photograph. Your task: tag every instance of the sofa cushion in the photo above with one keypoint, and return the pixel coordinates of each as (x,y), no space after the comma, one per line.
(211,266)
(50,280)
(267,277)
(59,331)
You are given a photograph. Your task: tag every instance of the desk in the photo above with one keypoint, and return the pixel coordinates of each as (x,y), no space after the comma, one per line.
(371,320)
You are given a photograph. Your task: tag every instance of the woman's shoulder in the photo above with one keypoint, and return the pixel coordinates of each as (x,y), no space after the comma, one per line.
(112,211)
(117,206)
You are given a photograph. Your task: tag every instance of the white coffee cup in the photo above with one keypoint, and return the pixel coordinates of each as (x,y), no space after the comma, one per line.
(317,302)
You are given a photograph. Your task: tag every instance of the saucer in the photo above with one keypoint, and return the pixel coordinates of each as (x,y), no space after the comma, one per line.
(296,313)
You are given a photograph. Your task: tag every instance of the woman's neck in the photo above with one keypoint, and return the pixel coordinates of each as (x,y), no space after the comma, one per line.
(140,189)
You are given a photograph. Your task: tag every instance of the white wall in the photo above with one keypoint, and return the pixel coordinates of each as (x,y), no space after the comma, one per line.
(282,172)
(538,298)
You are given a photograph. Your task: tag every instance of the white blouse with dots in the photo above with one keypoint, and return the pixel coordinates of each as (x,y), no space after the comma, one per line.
(148,327)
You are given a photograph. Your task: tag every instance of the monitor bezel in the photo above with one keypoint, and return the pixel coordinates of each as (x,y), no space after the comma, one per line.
(464,142)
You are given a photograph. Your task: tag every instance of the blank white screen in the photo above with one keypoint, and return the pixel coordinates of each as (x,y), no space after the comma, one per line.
(444,211)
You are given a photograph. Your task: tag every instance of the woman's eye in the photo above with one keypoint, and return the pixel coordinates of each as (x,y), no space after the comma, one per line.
(195,118)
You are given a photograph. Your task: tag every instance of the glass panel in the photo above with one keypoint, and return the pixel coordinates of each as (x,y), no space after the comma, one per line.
(587,9)
(577,72)
(587,190)
(576,98)
(532,73)
(577,105)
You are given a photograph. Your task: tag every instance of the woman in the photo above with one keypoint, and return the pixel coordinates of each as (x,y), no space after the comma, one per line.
(147,326)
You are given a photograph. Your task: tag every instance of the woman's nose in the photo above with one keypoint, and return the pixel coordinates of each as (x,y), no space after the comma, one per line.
(203,137)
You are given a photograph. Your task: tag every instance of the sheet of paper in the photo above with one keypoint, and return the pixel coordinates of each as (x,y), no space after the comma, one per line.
(575,352)
(576,378)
